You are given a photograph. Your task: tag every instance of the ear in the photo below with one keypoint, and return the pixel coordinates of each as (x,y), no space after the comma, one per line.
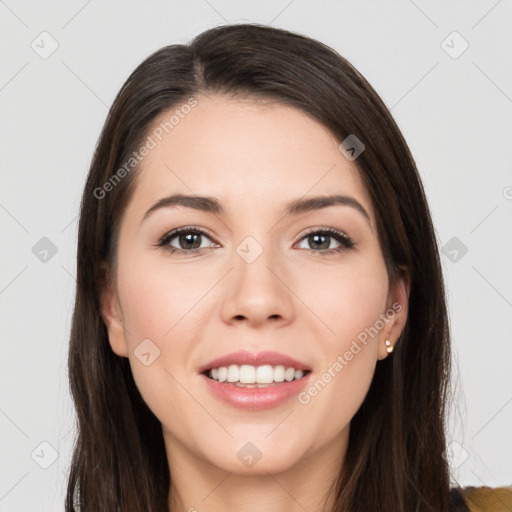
(112,316)
(396,312)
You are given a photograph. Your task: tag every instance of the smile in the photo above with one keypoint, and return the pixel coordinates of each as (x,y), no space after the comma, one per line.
(245,375)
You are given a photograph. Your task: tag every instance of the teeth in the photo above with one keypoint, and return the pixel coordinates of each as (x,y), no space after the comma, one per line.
(247,374)
(223,374)
(289,374)
(233,373)
(265,374)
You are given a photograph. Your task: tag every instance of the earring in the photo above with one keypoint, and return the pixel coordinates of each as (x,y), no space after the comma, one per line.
(389,346)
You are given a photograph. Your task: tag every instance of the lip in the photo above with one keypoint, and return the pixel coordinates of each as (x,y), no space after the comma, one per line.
(255,359)
(255,399)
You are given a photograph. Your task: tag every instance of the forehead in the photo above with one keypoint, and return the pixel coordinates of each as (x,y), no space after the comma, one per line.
(246,153)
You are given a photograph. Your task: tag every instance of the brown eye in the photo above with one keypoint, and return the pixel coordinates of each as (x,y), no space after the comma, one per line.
(188,240)
(320,241)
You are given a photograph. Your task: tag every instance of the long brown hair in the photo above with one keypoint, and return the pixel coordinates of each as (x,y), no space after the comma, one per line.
(395,457)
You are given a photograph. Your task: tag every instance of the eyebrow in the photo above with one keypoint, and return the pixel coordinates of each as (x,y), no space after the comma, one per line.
(296,207)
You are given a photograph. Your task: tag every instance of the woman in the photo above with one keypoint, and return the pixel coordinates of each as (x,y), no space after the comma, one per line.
(253,369)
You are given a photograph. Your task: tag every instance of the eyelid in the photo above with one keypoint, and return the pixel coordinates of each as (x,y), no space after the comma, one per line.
(325,229)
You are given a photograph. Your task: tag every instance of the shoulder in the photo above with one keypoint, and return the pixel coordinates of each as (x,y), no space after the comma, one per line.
(488,499)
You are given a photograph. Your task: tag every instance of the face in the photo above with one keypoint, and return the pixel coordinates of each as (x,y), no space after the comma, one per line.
(253,278)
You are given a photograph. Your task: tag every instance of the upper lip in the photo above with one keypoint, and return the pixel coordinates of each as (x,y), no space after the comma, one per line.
(255,359)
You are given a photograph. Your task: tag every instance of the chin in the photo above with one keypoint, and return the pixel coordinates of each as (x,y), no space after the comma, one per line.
(255,458)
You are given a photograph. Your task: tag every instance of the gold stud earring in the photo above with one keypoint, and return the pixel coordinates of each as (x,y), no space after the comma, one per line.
(389,346)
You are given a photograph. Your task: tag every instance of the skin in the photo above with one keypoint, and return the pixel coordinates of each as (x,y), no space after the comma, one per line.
(255,158)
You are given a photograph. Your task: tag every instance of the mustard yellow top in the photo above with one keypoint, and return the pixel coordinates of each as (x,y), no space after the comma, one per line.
(488,499)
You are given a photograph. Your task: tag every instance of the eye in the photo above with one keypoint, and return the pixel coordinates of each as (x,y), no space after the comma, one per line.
(322,238)
(188,240)
(187,237)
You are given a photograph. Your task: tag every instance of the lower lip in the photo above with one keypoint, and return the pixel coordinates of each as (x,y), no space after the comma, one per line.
(256,399)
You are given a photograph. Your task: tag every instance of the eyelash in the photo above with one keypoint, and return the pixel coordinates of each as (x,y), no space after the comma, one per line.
(345,240)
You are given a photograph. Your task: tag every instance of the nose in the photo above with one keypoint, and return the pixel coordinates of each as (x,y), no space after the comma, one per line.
(258,292)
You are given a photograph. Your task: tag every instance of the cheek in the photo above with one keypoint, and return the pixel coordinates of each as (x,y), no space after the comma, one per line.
(347,299)
(158,300)
(159,307)
(165,305)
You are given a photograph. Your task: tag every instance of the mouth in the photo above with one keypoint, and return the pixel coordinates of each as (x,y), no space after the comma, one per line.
(255,388)
(255,381)
(249,376)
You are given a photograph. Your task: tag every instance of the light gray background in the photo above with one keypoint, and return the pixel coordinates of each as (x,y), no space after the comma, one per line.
(455,112)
